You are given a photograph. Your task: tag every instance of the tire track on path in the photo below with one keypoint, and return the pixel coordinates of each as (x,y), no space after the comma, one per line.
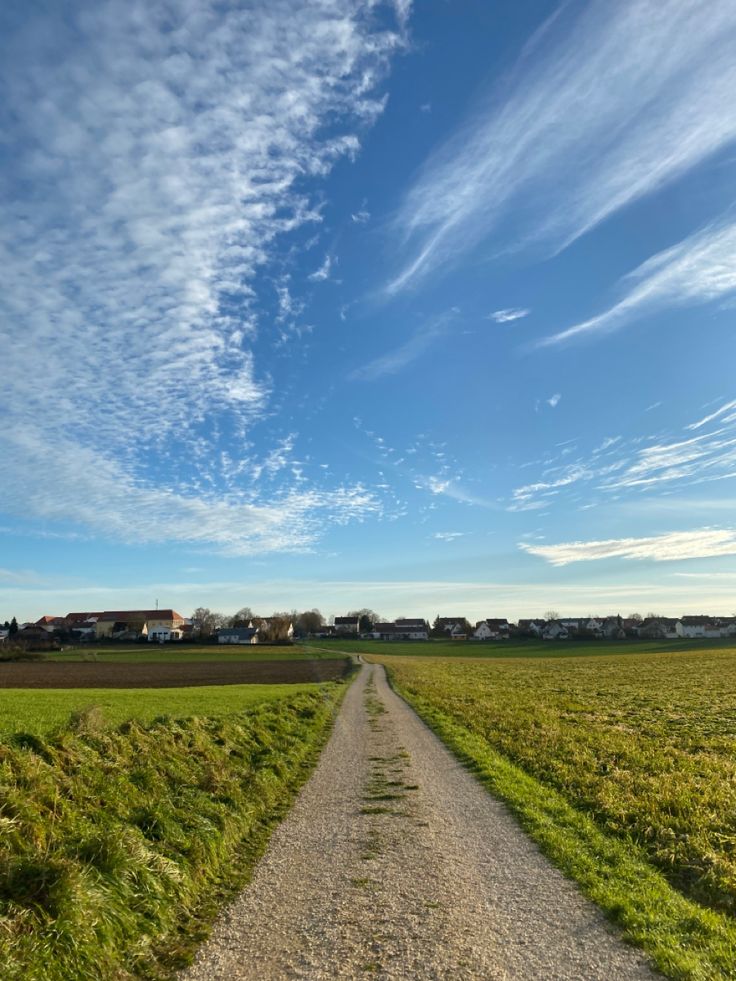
(396,864)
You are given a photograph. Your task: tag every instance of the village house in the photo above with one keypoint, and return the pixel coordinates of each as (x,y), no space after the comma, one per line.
(50,624)
(402,629)
(347,626)
(492,630)
(699,626)
(613,628)
(658,628)
(269,630)
(131,624)
(530,628)
(555,630)
(454,627)
(237,635)
(728,626)
(415,625)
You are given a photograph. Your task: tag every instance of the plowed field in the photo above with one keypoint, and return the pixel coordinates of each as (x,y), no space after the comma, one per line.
(151,675)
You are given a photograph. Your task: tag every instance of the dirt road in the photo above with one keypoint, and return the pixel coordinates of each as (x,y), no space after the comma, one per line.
(396,864)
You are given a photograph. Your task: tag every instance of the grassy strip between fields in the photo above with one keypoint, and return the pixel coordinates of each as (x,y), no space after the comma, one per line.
(684,940)
(118,846)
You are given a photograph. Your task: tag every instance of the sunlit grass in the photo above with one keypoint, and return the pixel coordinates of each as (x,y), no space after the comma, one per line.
(611,761)
(40,710)
(118,845)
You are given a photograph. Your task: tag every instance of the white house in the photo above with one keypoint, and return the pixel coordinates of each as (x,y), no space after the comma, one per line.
(347,625)
(693,627)
(555,630)
(491,630)
(163,635)
(728,626)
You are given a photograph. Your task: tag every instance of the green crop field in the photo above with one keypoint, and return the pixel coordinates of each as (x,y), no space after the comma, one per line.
(519,648)
(174,654)
(623,767)
(41,710)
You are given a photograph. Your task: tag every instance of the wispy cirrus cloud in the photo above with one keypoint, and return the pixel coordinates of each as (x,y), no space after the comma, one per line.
(726,413)
(395,360)
(697,270)
(671,547)
(160,154)
(666,462)
(507,316)
(621,99)
(103,497)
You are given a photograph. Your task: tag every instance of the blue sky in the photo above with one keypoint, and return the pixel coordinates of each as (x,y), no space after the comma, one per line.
(428,309)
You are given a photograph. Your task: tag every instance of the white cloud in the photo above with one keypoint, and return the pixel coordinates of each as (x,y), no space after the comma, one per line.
(448,536)
(671,547)
(397,359)
(99,495)
(697,270)
(160,153)
(507,316)
(323,273)
(644,464)
(554,400)
(729,408)
(361,217)
(19,577)
(622,98)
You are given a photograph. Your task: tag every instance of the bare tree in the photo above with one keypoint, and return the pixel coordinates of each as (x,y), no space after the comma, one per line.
(551,615)
(206,622)
(275,629)
(242,618)
(308,622)
(366,619)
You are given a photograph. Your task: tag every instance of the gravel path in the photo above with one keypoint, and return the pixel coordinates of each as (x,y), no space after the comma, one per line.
(396,864)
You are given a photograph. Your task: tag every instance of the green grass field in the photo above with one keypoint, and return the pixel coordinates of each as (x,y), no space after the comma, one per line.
(41,710)
(622,766)
(522,648)
(173,654)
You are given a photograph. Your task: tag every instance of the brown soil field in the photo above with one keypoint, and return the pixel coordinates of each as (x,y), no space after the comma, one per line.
(84,675)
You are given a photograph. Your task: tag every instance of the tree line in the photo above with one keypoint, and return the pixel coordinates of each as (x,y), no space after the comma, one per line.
(207,622)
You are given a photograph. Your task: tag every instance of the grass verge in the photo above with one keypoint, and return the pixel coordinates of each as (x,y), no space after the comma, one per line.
(117,846)
(684,939)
